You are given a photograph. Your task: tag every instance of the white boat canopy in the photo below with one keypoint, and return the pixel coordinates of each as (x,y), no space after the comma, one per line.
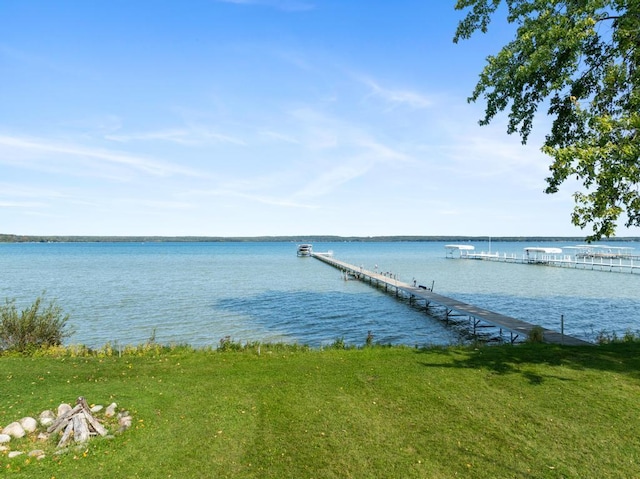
(536,249)
(460,247)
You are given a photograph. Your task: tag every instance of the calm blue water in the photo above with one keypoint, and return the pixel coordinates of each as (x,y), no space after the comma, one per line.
(198,293)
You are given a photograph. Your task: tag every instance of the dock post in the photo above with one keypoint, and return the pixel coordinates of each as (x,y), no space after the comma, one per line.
(476,322)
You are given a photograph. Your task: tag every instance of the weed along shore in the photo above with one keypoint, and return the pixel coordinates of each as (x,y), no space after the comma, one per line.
(275,410)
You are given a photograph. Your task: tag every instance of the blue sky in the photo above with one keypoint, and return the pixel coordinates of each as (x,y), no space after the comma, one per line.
(258,117)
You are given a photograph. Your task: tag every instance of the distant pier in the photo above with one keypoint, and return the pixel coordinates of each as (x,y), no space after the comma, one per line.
(453,307)
(597,258)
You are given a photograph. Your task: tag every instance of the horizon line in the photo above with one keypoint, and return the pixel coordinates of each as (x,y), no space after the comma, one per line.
(15,238)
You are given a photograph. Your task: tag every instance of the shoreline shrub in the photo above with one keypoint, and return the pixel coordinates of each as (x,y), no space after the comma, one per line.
(35,327)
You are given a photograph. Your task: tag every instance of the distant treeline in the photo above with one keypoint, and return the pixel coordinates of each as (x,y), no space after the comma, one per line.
(10,238)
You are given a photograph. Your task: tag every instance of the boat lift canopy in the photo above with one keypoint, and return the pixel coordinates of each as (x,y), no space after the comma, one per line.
(460,247)
(536,249)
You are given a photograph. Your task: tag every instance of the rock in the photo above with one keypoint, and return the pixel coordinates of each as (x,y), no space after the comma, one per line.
(47,417)
(14,429)
(43,436)
(97,408)
(37,453)
(29,424)
(63,408)
(111,410)
(13,454)
(4,448)
(4,438)
(124,420)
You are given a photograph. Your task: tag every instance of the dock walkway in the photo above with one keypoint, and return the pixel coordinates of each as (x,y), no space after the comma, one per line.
(477,314)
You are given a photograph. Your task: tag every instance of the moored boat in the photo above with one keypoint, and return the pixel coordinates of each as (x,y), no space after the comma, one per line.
(305,249)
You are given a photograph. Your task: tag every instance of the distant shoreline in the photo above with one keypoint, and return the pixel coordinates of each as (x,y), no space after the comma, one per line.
(13,238)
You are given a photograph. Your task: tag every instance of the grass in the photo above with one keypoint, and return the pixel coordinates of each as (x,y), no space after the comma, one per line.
(529,411)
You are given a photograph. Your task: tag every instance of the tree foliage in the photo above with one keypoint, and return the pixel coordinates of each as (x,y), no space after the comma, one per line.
(34,327)
(580,59)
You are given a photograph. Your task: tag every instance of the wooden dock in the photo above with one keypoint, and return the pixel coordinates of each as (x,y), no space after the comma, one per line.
(453,307)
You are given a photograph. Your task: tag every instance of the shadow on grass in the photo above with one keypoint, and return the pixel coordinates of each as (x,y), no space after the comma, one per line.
(622,358)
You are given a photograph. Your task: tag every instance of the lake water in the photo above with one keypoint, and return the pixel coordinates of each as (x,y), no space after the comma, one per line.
(198,293)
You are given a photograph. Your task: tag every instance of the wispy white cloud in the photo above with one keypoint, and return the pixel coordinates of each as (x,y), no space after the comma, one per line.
(493,155)
(24,191)
(269,200)
(156,204)
(285,5)
(350,169)
(183,136)
(232,191)
(93,124)
(333,152)
(40,147)
(384,153)
(367,155)
(21,204)
(328,181)
(396,97)
(343,151)
(36,60)
(297,59)
(273,135)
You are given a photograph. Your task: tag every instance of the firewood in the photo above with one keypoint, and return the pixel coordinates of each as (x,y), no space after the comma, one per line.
(77,422)
(80,428)
(67,434)
(95,424)
(60,423)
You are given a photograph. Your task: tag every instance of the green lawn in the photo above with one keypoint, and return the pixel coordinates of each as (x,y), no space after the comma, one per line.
(527,411)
